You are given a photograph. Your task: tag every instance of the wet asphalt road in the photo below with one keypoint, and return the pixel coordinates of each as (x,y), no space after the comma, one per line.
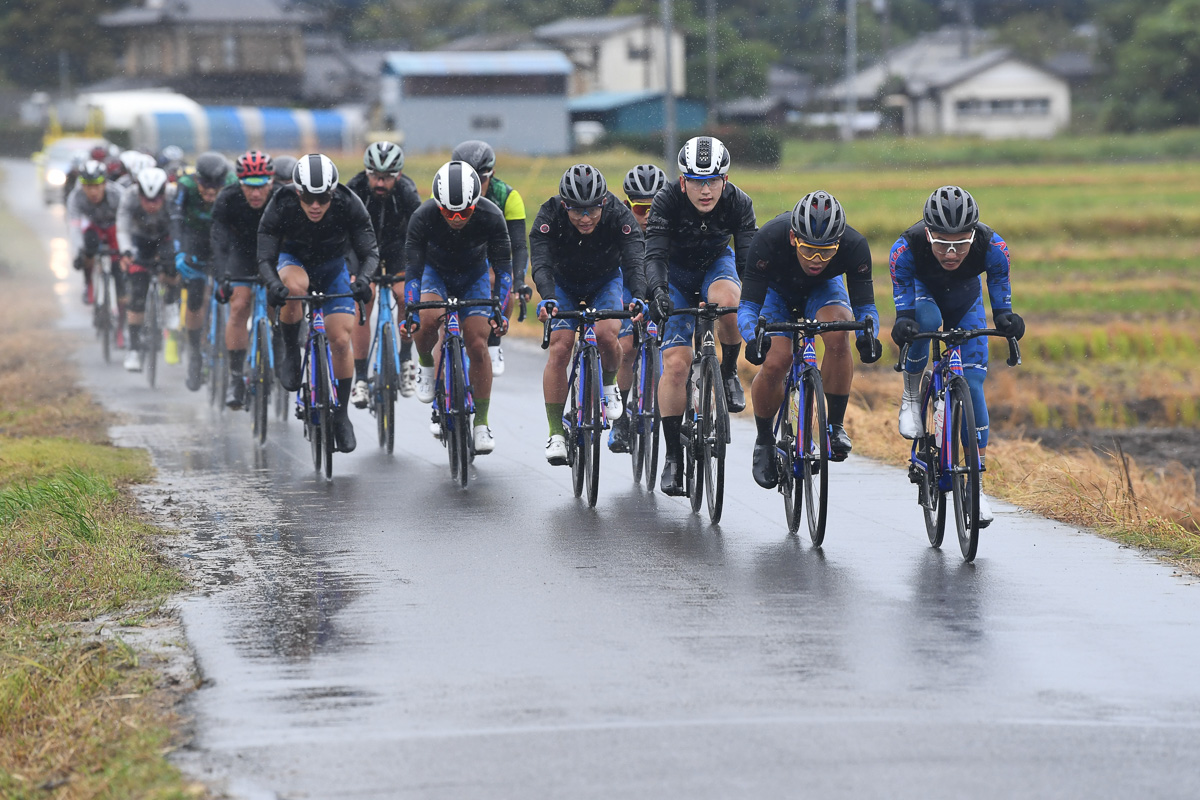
(388,635)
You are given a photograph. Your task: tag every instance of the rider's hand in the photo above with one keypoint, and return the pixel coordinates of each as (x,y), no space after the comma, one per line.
(362,289)
(499,324)
(638,307)
(525,291)
(869,350)
(660,304)
(753,354)
(905,330)
(224,291)
(185,271)
(546,309)
(412,323)
(277,293)
(1009,324)
(126,262)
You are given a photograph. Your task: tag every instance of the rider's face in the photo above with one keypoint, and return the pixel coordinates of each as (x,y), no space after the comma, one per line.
(703,193)
(381,183)
(256,196)
(94,192)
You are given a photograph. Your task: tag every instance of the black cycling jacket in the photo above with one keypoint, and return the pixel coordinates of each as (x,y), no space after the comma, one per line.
(676,232)
(389,216)
(773,263)
(235,233)
(562,256)
(458,256)
(285,227)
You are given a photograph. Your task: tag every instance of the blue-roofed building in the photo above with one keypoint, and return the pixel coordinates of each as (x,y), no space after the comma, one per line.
(516,101)
(635,112)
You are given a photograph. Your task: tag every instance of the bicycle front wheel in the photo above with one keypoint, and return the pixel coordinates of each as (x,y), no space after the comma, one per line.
(651,423)
(151,334)
(593,426)
(218,375)
(385,391)
(460,420)
(932,498)
(637,421)
(310,393)
(787,455)
(814,446)
(713,430)
(964,465)
(260,380)
(104,318)
(573,427)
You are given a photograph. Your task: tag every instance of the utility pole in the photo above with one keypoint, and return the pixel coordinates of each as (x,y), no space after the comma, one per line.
(851,68)
(711,62)
(669,134)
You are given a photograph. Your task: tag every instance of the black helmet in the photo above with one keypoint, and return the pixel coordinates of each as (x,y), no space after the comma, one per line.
(479,155)
(212,170)
(643,182)
(818,219)
(951,209)
(284,165)
(93,173)
(582,185)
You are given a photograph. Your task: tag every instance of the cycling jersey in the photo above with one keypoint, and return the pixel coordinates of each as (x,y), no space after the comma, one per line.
(509,201)
(462,256)
(191,220)
(83,215)
(772,264)
(141,234)
(582,264)
(681,240)
(235,234)
(955,292)
(285,227)
(389,216)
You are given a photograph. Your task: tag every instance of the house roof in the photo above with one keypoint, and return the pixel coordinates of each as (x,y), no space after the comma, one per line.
(492,41)
(588,27)
(607,101)
(517,62)
(193,11)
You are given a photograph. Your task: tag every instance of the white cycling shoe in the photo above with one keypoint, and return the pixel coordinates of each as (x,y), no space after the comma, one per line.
(497,359)
(426,380)
(556,450)
(484,441)
(408,378)
(985,512)
(613,407)
(910,417)
(133,361)
(359,395)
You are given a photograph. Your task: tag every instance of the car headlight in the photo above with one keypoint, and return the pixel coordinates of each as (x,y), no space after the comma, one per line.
(56,177)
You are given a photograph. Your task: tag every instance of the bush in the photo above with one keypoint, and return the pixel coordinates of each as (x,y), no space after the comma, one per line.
(752,145)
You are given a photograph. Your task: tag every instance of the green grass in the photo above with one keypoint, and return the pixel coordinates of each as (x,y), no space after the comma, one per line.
(36,458)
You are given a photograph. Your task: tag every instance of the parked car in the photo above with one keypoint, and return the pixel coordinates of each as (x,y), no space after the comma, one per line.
(55,162)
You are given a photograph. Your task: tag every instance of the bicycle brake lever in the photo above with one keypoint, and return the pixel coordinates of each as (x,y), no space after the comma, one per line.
(1014,352)
(903,357)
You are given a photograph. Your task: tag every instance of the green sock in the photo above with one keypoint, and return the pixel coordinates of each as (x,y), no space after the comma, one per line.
(609,377)
(481,409)
(554,412)
(425,360)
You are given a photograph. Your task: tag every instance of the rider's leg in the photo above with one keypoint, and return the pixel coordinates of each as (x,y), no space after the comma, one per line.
(295,278)
(554,377)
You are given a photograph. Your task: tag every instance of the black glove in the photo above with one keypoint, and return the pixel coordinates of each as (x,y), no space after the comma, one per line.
(753,354)
(869,350)
(362,289)
(224,291)
(80,262)
(277,293)
(1009,324)
(660,304)
(905,329)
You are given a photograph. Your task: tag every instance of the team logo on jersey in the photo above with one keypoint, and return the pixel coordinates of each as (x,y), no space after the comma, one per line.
(545,228)
(625,229)
(864,268)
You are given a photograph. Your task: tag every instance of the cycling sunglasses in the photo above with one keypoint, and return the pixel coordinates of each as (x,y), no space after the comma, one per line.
(945,246)
(813,252)
(455,216)
(640,207)
(308,198)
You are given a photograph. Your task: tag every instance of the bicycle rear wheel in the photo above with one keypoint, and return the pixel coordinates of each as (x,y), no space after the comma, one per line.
(790,487)
(260,380)
(151,334)
(460,420)
(964,463)
(933,498)
(310,398)
(104,317)
(217,360)
(713,430)
(593,426)
(637,423)
(814,447)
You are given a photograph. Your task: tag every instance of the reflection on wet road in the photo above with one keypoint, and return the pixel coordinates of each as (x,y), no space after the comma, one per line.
(388,635)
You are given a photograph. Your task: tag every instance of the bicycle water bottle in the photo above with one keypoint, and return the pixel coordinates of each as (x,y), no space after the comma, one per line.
(939,417)
(794,409)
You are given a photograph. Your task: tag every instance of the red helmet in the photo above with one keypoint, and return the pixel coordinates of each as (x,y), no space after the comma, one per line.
(255,168)
(115,168)
(99,153)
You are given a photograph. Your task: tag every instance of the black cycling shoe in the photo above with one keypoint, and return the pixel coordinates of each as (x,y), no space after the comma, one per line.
(194,380)
(289,369)
(618,438)
(235,393)
(343,434)
(735,398)
(839,443)
(672,479)
(766,468)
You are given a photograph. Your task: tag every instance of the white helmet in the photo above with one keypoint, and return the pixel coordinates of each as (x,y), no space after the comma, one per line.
(152,182)
(703,157)
(456,186)
(315,174)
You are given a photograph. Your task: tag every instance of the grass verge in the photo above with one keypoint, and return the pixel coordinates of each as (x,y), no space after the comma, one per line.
(81,715)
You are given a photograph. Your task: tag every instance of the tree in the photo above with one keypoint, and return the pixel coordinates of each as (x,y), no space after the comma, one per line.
(1156,82)
(32,32)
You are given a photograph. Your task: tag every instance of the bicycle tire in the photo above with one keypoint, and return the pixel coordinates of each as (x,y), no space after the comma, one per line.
(260,380)
(934,509)
(572,426)
(593,426)
(964,460)
(693,470)
(281,395)
(814,445)
(386,386)
(460,420)
(219,377)
(714,427)
(151,335)
(104,318)
(786,450)
(328,404)
(637,423)
(650,406)
(310,390)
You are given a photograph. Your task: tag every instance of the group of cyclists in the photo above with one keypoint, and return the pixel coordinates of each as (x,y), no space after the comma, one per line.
(294,228)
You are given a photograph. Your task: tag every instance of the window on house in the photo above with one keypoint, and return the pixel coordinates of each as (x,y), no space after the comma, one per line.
(486,123)
(1004,107)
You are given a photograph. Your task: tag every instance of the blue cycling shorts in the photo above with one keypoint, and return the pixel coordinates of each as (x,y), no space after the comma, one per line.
(687,289)
(607,298)
(433,283)
(776,308)
(331,277)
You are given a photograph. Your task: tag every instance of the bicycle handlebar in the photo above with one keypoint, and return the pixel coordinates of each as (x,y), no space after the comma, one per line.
(585,314)
(810,327)
(959,336)
(413,323)
(387,280)
(524,294)
(318,297)
(708,312)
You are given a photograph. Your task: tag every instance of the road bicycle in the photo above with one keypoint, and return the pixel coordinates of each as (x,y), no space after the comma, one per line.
(152,326)
(584,421)
(644,425)
(317,400)
(214,356)
(104,314)
(705,428)
(453,404)
(802,446)
(260,378)
(945,456)
(384,361)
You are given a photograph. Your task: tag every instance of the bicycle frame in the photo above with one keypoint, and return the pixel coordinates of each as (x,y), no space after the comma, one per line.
(385,303)
(260,313)
(804,357)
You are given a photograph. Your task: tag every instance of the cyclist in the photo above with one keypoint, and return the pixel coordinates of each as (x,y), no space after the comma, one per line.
(482,158)
(170,158)
(935,268)
(302,243)
(586,247)
(284,167)
(688,260)
(391,197)
(640,185)
(92,221)
(454,238)
(191,227)
(236,213)
(143,239)
(806,264)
